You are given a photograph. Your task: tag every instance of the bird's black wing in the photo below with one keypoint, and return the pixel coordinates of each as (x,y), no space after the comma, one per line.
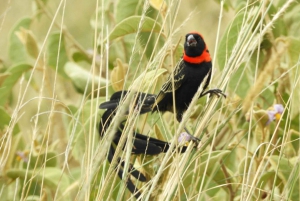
(142,101)
(114,100)
(167,87)
(207,80)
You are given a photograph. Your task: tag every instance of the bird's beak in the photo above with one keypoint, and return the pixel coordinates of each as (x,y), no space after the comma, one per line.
(191,41)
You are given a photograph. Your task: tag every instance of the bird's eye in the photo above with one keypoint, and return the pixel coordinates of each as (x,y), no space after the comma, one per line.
(196,36)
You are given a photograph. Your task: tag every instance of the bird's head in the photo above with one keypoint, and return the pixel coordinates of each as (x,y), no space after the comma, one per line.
(195,50)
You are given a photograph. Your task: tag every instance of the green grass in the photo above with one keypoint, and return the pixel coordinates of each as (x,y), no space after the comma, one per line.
(62,60)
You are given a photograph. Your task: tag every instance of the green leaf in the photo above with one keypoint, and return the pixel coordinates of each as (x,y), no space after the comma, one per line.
(294,47)
(131,25)
(78,56)
(281,3)
(150,40)
(226,4)
(17,51)
(215,157)
(28,39)
(83,127)
(228,40)
(5,119)
(37,7)
(267,97)
(240,82)
(159,5)
(3,77)
(15,73)
(146,80)
(265,178)
(96,21)
(146,39)
(126,9)
(57,54)
(291,19)
(283,165)
(279,26)
(48,159)
(288,172)
(294,55)
(81,77)
(50,177)
(213,170)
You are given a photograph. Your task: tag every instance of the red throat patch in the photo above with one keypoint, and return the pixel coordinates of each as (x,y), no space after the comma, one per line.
(204,57)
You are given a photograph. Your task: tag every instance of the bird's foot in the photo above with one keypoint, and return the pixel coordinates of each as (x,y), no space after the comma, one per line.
(217,92)
(186,137)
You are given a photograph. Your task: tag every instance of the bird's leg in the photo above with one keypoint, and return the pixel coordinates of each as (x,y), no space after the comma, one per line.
(192,138)
(216,92)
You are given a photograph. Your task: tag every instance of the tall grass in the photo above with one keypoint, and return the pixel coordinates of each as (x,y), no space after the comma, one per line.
(52,85)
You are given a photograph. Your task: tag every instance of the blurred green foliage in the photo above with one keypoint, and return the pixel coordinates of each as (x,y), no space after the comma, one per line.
(56,73)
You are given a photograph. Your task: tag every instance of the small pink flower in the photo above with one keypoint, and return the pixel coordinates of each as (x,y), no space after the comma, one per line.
(185,137)
(275,113)
(22,156)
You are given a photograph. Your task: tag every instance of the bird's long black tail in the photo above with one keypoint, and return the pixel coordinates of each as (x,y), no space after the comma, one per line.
(129,184)
(141,144)
(103,126)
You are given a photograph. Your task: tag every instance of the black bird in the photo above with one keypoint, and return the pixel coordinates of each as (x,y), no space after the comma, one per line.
(188,75)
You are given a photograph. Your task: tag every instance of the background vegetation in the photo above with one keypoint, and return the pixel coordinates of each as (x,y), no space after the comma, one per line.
(60,59)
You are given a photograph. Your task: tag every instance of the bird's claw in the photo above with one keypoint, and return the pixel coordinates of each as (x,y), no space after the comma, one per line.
(217,92)
(186,137)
